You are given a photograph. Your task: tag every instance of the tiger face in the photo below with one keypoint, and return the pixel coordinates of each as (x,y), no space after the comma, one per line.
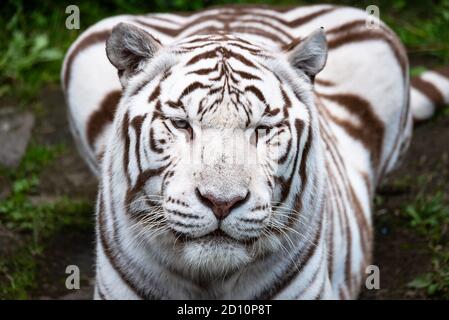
(213,134)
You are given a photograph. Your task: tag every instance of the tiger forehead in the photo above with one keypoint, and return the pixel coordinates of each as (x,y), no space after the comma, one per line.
(219,81)
(225,94)
(219,40)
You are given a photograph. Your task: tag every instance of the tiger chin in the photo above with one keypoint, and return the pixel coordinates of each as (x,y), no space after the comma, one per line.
(238,148)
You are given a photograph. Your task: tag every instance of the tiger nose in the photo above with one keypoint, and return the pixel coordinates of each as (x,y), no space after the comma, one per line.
(221,208)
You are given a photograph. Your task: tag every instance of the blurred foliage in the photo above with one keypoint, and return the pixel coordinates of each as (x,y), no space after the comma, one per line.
(32,48)
(21,212)
(429,217)
(18,275)
(436,283)
(34,218)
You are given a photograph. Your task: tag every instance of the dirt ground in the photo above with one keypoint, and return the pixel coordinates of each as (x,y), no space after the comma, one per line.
(399,252)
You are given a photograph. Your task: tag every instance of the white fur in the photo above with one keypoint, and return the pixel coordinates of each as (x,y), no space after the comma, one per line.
(201,268)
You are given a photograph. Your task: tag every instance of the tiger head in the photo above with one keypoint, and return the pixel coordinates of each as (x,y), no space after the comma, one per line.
(215,155)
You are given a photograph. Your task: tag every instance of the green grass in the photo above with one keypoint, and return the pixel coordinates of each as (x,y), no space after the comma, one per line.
(36,158)
(18,274)
(429,217)
(435,283)
(422,27)
(22,54)
(34,221)
(42,220)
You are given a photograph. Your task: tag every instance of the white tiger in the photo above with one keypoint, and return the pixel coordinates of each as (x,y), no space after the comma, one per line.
(182,212)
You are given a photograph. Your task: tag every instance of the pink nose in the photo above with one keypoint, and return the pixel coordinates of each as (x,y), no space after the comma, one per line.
(221,208)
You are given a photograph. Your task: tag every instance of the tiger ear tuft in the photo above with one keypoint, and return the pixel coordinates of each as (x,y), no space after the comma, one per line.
(129,46)
(310,54)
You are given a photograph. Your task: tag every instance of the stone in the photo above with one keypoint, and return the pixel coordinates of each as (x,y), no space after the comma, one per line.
(5,188)
(15,133)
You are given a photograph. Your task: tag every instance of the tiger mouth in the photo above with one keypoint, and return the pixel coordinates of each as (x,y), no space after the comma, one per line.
(217,236)
(220,236)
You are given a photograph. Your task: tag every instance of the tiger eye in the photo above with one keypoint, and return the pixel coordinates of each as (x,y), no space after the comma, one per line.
(180,124)
(183,125)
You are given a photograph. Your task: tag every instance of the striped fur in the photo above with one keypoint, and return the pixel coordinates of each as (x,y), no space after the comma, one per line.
(305,228)
(429,92)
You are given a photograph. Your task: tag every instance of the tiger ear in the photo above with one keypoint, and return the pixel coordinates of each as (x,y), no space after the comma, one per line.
(310,54)
(129,47)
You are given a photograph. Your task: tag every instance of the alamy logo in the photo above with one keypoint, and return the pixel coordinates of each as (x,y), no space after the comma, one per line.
(373,21)
(372,281)
(73,20)
(72,282)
